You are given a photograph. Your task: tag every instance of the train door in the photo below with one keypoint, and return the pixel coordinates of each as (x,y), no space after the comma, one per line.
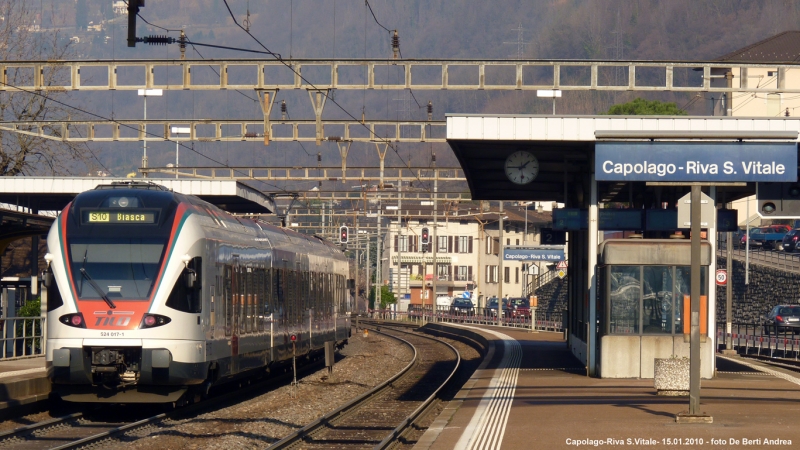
(235,311)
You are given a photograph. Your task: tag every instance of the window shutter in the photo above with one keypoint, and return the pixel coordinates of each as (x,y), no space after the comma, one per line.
(496,246)
(396,238)
(450,273)
(415,240)
(516,275)
(469,273)
(450,244)
(470,244)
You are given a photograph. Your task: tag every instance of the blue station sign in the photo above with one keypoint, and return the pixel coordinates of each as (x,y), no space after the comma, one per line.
(693,161)
(536,253)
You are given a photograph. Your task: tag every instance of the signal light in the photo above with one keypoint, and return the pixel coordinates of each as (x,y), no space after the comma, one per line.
(343,234)
(779,200)
(293,337)
(154,320)
(425,236)
(73,320)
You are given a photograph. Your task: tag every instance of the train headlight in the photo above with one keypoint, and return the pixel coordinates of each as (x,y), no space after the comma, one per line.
(154,320)
(73,320)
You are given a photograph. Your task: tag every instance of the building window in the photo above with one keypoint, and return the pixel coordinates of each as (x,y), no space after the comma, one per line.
(517,241)
(463,273)
(506,274)
(463,244)
(508,241)
(516,275)
(489,245)
(443,272)
(402,244)
(491,274)
(442,247)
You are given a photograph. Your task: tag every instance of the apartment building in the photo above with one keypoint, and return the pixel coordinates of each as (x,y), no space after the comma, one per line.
(467,249)
(782,48)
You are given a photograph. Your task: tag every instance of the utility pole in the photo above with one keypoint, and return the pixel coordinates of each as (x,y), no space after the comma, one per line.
(355,297)
(378,256)
(368,262)
(435,238)
(500,273)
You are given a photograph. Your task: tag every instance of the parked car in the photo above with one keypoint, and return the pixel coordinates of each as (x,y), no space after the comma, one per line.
(521,307)
(790,241)
(462,306)
(770,236)
(491,307)
(783,318)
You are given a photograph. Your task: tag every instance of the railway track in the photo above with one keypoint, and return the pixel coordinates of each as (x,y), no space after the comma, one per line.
(385,417)
(106,423)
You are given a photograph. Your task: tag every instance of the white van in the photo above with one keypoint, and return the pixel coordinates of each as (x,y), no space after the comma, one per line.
(443,302)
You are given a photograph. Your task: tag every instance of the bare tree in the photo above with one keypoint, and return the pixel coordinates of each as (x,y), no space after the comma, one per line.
(22,39)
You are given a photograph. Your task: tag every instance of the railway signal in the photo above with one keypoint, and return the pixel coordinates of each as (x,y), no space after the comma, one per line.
(343,234)
(425,236)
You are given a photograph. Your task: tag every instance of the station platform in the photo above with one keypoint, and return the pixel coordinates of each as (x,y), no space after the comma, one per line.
(530,392)
(22,382)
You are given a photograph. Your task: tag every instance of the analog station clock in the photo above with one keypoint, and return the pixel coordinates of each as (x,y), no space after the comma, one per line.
(521,167)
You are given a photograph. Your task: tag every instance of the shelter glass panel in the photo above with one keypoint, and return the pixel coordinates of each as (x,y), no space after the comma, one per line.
(624,295)
(657,299)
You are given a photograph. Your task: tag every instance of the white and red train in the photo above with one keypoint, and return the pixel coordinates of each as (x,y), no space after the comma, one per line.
(153,294)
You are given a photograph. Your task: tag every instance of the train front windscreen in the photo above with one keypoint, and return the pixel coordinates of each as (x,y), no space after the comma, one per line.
(116,240)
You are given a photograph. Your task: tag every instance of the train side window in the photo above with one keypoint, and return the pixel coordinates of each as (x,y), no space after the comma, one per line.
(54,299)
(184,298)
(228,299)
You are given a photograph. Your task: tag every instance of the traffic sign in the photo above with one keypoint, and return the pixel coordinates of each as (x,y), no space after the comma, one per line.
(722,277)
(561,265)
(562,273)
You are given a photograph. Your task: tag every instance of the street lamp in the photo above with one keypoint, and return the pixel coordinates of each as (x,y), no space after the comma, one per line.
(549,93)
(147,93)
(178,130)
(525,235)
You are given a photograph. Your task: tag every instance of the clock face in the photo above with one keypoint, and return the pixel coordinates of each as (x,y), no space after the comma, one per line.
(522,167)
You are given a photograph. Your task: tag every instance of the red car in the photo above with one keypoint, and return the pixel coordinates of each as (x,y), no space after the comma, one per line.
(521,307)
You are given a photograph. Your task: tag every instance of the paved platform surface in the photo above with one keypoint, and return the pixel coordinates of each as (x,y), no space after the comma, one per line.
(533,394)
(22,381)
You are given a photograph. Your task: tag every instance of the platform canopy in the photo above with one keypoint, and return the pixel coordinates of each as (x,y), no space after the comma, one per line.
(53,193)
(565,149)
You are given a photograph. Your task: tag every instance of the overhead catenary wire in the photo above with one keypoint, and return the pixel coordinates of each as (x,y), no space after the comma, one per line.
(99,116)
(278,57)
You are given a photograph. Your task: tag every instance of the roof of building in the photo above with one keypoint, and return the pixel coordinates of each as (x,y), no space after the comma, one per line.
(53,193)
(781,48)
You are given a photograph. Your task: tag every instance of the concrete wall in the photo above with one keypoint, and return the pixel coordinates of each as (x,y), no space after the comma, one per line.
(634,356)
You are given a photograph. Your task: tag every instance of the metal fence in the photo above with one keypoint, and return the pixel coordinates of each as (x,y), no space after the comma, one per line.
(545,321)
(22,337)
(765,256)
(757,339)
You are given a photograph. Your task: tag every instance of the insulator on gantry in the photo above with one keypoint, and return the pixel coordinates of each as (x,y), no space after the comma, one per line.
(283,109)
(430,111)
(395,44)
(156,40)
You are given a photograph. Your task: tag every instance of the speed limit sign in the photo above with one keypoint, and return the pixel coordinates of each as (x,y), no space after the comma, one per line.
(722,277)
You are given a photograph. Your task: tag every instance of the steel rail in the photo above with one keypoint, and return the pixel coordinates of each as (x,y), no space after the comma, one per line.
(400,430)
(243,389)
(309,429)
(316,427)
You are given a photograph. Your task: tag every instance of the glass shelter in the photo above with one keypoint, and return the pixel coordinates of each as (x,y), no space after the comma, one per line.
(643,301)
